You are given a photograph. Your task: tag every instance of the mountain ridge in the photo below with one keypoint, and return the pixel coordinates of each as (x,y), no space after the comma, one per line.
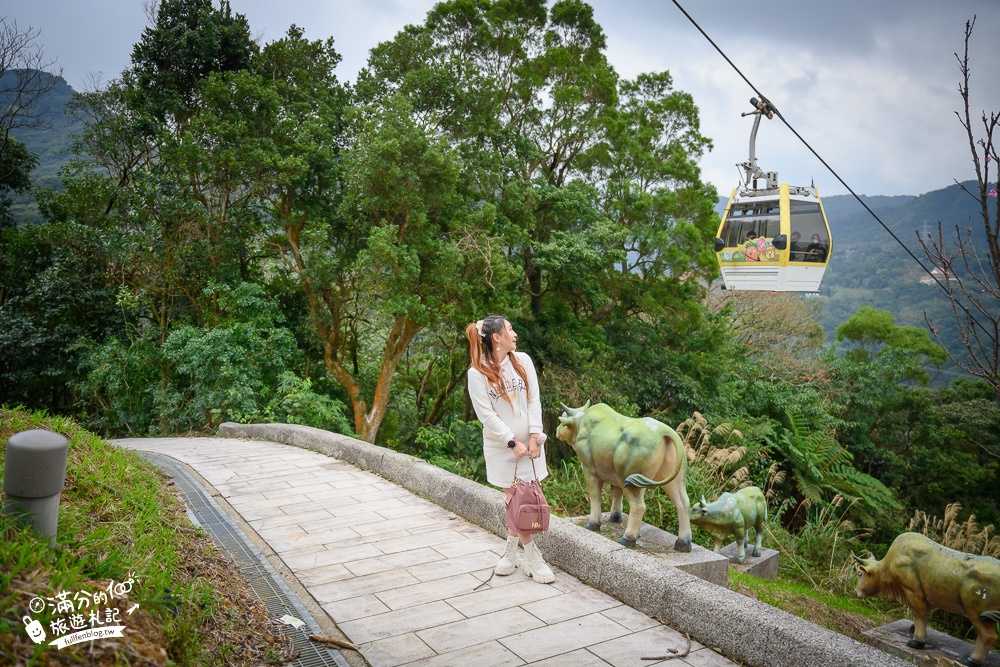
(50,143)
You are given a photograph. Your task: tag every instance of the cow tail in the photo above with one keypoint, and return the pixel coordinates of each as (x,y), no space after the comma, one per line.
(644,482)
(990,615)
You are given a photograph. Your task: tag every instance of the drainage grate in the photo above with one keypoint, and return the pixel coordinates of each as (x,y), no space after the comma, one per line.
(263,580)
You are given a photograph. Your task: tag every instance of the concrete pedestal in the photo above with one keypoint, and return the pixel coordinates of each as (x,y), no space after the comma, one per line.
(658,543)
(764,566)
(940,649)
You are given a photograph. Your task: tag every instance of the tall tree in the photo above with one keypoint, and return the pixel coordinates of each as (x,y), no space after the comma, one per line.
(188,40)
(874,332)
(23,84)
(599,202)
(644,169)
(972,275)
(521,92)
(401,197)
(195,205)
(359,207)
(179,212)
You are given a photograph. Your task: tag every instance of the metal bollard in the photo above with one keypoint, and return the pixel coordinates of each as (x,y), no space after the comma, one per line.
(34,477)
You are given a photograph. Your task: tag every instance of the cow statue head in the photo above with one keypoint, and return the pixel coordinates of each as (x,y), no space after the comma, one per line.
(569,423)
(700,509)
(867,575)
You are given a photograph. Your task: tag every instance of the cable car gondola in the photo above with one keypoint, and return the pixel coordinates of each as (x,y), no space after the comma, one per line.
(773,238)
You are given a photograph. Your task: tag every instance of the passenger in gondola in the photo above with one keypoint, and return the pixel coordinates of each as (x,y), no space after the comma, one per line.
(816,250)
(797,248)
(751,252)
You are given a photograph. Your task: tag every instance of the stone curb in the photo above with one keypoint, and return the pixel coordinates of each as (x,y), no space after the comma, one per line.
(741,628)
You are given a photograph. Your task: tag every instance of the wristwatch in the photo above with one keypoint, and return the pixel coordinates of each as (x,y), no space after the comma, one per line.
(512,443)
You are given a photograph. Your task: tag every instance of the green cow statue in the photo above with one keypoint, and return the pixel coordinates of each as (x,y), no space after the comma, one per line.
(631,455)
(924,575)
(733,514)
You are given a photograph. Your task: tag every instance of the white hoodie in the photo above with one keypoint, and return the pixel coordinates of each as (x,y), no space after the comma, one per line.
(503,421)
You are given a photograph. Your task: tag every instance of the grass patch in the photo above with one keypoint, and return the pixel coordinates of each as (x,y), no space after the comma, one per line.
(120,518)
(846,615)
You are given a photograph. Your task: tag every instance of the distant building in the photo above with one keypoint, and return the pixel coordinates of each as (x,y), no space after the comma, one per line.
(942,276)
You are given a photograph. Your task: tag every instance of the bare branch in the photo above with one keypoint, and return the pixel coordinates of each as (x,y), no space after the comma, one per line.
(23,79)
(974,289)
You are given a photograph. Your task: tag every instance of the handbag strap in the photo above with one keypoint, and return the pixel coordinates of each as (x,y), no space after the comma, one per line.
(516,461)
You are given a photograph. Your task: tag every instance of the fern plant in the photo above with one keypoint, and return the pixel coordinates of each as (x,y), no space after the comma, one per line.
(820,468)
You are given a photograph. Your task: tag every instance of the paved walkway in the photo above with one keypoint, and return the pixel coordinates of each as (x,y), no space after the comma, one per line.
(397,573)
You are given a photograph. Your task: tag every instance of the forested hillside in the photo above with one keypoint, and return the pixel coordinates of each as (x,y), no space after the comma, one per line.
(870,268)
(240,236)
(50,142)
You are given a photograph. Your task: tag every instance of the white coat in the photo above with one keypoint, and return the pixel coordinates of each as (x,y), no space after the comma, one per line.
(504,421)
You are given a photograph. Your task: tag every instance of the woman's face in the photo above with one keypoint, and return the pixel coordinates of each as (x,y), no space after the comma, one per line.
(815,238)
(505,341)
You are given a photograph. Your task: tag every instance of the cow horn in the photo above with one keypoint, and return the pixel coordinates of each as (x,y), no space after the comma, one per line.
(865,561)
(575,412)
(703,501)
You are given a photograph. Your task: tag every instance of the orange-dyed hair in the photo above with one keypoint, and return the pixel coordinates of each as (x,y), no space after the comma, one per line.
(481,354)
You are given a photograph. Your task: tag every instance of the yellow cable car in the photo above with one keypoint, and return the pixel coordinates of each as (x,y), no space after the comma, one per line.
(773,238)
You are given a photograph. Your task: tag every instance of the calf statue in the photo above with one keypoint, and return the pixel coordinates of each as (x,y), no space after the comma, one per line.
(925,575)
(733,514)
(630,455)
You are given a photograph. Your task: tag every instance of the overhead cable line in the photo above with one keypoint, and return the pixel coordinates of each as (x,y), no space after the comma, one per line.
(811,149)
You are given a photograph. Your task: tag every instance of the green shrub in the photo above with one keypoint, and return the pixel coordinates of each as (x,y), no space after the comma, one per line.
(295,402)
(232,370)
(224,374)
(457,447)
(117,394)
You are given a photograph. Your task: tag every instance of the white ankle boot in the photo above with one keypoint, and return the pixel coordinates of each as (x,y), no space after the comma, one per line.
(508,561)
(537,569)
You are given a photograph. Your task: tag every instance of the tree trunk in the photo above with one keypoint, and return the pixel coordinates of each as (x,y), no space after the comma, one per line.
(367,421)
(534,276)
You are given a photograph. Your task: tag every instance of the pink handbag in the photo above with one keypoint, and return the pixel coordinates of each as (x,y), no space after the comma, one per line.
(527,509)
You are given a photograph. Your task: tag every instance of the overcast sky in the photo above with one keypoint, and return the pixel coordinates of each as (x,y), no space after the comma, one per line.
(872,86)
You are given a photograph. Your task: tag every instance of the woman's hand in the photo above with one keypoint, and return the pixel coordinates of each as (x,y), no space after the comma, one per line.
(534,449)
(520,449)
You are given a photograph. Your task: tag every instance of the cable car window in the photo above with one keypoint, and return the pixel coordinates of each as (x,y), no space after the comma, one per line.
(809,240)
(761,218)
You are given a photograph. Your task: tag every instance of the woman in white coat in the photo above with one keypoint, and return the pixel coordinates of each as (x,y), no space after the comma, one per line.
(504,391)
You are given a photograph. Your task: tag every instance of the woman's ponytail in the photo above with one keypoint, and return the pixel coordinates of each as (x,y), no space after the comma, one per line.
(475,344)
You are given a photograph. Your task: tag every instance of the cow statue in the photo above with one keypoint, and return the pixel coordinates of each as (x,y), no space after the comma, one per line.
(630,455)
(925,575)
(733,514)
